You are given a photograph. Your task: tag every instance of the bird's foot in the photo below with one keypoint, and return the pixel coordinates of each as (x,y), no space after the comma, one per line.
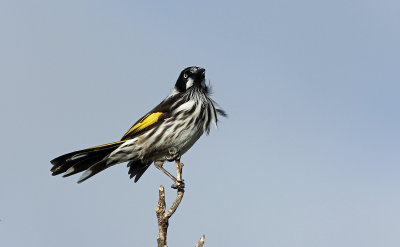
(178,185)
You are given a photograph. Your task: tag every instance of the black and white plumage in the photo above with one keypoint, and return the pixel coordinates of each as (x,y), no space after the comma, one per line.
(177,122)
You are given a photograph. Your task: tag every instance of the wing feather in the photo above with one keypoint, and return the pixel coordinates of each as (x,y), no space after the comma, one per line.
(149,120)
(154,117)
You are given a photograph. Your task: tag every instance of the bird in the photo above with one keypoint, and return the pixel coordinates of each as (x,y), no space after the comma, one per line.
(165,133)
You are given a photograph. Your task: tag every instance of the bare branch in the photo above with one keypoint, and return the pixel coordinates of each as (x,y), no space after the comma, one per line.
(175,204)
(201,241)
(162,215)
(162,222)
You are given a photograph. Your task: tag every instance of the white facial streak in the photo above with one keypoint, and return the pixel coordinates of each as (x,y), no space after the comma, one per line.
(189,83)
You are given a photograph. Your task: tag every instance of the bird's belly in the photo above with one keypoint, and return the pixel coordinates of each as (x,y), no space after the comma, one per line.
(186,140)
(181,139)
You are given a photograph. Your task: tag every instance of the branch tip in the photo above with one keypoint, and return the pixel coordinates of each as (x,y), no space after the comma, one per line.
(201,241)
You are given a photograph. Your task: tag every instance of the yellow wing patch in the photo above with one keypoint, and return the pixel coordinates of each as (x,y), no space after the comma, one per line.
(108,144)
(147,120)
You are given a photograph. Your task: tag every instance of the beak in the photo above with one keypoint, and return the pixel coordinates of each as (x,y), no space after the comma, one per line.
(201,73)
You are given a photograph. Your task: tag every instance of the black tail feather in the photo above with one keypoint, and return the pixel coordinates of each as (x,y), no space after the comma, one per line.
(93,170)
(81,160)
(82,165)
(137,168)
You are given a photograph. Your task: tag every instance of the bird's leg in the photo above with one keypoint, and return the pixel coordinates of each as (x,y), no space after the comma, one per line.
(175,155)
(179,184)
(159,164)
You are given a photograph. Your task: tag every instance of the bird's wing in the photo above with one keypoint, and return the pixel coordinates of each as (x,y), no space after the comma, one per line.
(147,122)
(152,119)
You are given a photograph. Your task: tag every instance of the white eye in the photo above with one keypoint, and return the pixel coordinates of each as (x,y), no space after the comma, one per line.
(185,76)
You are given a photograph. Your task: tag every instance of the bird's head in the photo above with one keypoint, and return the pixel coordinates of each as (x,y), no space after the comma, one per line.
(191,77)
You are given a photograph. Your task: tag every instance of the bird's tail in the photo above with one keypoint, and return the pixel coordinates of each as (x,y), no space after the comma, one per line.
(92,161)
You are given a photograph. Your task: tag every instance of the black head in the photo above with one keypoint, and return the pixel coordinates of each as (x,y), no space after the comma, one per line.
(191,77)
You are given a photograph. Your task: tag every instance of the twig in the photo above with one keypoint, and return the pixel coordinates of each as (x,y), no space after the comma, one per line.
(163,216)
(201,241)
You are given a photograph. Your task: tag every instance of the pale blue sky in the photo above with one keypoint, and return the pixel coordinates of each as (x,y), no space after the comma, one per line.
(309,155)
